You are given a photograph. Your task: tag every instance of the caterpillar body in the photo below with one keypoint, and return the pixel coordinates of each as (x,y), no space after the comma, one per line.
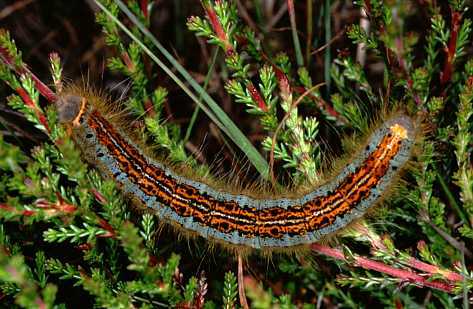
(230,217)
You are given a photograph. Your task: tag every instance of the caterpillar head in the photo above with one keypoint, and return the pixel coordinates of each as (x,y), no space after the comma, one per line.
(70,108)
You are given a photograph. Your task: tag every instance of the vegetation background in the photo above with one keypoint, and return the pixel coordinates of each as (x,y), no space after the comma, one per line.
(294,76)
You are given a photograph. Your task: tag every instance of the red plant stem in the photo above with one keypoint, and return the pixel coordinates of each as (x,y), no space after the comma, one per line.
(144,7)
(256,96)
(292,13)
(29,102)
(6,207)
(149,108)
(290,7)
(40,303)
(217,26)
(368,7)
(447,274)
(98,196)
(241,284)
(40,86)
(283,83)
(405,275)
(106,226)
(128,63)
(59,206)
(85,246)
(25,97)
(446,74)
(26,213)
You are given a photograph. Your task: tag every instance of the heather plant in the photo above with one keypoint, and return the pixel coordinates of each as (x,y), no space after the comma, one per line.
(68,237)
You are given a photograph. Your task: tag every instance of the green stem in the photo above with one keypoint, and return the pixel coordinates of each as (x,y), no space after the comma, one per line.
(451,198)
(310,31)
(328,37)
(295,37)
(197,108)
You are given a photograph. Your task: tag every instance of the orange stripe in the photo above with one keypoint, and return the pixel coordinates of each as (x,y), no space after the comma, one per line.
(226,217)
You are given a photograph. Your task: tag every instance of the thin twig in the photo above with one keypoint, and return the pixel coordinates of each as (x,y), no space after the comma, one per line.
(246,16)
(18,5)
(241,284)
(335,37)
(276,17)
(424,216)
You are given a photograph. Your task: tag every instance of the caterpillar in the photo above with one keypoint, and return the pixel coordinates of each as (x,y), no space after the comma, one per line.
(236,218)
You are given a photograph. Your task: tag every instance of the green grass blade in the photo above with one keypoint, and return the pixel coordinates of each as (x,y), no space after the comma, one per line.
(161,64)
(328,38)
(295,37)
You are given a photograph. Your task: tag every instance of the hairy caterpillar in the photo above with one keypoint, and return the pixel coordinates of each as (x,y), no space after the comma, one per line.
(234,218)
